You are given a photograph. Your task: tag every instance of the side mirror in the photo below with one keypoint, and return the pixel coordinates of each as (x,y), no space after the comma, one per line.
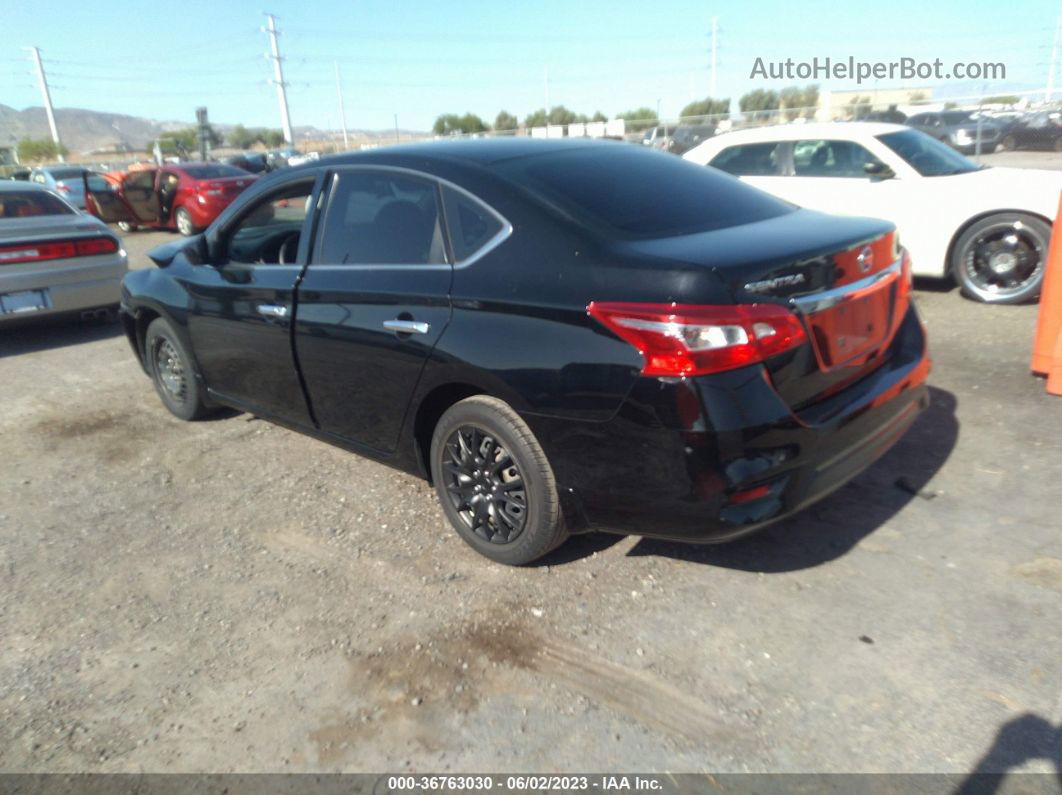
(878,171)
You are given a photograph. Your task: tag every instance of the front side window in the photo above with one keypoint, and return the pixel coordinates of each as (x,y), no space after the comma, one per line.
(749,160)
(471,224)
(381,218)
(268,232)
(815,158)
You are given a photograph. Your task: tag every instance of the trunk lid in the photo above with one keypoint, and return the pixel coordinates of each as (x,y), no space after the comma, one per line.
(841,275)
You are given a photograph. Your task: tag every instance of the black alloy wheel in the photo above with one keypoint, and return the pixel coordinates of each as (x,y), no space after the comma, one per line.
(494,482)
(1001,259)
(484,485)
(171,369)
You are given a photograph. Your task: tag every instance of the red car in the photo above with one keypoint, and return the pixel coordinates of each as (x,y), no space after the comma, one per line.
(185,197)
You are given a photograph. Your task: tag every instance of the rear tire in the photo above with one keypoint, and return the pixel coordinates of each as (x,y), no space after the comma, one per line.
(494,482)
(1001,258)
(172,371)
(184,222)
(125,226)
(1058,144)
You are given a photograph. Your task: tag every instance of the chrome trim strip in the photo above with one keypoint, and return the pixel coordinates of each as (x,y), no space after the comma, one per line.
(407,326)
(810,304)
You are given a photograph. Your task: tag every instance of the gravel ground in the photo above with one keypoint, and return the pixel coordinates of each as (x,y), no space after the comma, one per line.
(231,596)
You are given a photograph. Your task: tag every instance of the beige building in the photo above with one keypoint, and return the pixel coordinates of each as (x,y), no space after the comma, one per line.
(835,105)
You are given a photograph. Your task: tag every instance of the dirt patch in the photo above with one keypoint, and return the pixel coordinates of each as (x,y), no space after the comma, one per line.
(78,426)
(1045,572)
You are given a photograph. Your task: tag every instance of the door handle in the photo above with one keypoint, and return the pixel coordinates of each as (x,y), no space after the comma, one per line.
(278,311)
(407,326)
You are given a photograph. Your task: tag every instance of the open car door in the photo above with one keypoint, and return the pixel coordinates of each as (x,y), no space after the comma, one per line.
(103,200)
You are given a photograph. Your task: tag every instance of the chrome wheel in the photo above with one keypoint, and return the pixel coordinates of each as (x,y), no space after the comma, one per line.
(1003,259)
(170,370)
(184,222)
(484,485)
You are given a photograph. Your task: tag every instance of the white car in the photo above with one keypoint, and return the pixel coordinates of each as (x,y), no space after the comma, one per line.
(987,227)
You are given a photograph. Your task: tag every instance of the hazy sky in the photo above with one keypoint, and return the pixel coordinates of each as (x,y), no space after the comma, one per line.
(420,59)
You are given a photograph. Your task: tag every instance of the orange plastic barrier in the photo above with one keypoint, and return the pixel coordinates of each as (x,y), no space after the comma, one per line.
(1047,344)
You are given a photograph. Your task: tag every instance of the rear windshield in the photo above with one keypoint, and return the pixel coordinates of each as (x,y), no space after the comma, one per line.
(66,173)
(26,204)
(637,193)
(213,172)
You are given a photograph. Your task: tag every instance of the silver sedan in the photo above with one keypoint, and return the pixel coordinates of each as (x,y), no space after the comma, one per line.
(54,259)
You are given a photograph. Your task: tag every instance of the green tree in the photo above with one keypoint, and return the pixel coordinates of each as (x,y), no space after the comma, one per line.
(760,105)
(559,114)
(242,138)
(37,150)
(506,121)
(187,140)
(540,118)
(1003,99)
(716,108)
(598,116)
(272,138)
(639,119)
(452,124)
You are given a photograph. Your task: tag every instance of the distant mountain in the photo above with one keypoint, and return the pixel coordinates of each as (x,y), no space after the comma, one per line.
(84,131)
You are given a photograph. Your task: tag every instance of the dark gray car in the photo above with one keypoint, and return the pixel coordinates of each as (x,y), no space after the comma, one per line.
(958,128)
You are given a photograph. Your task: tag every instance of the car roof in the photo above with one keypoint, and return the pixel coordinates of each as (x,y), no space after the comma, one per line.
(481,151)
(11,185)
(794,132)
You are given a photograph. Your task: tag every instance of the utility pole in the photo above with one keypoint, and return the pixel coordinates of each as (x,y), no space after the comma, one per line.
(342,114)
(715,35)
(278,79)
(48,102)
(1054,62)
(396,128)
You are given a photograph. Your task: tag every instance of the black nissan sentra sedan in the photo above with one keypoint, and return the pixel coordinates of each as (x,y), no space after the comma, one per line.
(561,335)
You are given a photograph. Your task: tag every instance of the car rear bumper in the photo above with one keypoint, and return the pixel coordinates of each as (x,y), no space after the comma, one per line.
(679,456)
(90,283)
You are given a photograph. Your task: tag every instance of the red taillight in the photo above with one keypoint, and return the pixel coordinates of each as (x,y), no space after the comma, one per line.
(678,340)
(62,249)
(95,245)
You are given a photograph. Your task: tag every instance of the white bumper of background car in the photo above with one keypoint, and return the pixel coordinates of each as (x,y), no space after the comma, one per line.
(57,286)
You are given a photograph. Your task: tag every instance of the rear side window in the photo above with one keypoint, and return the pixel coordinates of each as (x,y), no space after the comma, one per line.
(27,204)
(471,224)
(380,218)
(66,173)
(749,160)
(635,192)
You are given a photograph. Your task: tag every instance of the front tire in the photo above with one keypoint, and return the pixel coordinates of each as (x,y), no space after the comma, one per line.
(125,226)
(1009,143)
(1001,258)
(172,371)
(494,482)
(184,222)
